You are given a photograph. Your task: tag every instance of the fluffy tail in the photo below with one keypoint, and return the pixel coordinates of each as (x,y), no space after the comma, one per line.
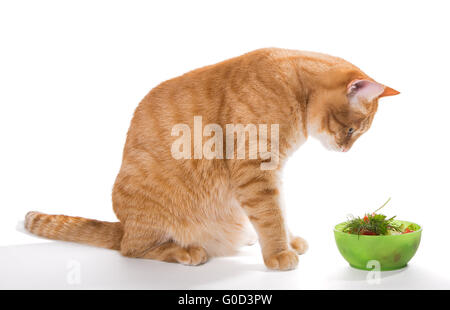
(76,229)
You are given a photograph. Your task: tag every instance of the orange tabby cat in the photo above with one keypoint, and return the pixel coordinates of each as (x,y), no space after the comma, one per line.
(188,209)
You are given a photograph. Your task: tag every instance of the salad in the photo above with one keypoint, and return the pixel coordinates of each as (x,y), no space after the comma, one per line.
(377,225)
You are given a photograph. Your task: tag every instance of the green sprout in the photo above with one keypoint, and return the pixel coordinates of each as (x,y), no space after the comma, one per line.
(372,224)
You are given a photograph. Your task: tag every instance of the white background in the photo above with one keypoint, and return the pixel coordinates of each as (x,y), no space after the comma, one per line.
(72,73)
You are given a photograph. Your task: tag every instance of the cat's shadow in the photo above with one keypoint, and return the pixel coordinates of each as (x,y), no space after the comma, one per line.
(60,265)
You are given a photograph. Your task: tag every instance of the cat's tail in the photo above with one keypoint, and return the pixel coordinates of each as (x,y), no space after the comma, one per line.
(76,229)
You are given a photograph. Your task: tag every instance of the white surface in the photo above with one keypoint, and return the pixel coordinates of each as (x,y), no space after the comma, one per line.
(72,74)
(65,265)
(59,265)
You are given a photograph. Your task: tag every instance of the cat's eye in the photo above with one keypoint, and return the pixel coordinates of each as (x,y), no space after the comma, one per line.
(350,131)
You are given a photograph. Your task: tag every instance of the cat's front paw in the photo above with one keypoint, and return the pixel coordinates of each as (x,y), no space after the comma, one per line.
(299,245)
(284,260)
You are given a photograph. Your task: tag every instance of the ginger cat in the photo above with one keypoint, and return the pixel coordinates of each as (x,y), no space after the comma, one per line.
(186,210)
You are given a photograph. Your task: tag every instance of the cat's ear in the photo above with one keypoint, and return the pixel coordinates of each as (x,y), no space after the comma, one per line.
(389,92)
(368,90)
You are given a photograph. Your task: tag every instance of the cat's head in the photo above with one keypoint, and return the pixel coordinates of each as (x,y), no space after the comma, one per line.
(340,115)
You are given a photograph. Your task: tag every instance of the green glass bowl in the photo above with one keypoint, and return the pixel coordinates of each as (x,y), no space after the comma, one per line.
(385,252)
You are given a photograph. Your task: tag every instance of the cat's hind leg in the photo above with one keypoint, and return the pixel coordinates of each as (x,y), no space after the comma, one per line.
(174,253)
(140,240)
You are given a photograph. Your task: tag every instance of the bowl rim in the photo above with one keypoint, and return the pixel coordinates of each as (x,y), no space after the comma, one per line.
(371,236)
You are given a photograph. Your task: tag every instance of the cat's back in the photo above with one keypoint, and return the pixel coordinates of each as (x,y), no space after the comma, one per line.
(209,81)
(205,90)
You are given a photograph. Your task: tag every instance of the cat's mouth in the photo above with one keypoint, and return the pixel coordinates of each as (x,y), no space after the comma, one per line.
(334,146)
(341,147)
